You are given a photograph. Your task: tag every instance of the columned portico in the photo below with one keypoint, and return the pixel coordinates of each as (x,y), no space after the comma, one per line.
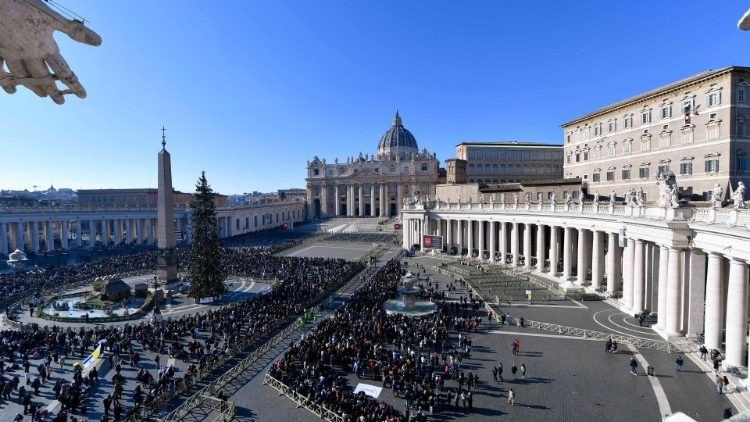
(540,247)
(736,334)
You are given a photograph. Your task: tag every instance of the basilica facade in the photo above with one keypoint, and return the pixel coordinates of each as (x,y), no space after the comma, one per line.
(372,185)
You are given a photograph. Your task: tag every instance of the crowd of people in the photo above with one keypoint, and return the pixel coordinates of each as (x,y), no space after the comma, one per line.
(412,357)
(194,339)
(362,237)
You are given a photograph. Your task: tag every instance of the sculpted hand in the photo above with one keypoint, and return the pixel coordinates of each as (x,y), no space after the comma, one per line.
(29,50)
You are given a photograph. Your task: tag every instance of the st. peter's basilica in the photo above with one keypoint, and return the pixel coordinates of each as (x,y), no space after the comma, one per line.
(372,185)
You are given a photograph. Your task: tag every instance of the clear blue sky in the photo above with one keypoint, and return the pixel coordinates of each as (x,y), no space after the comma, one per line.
(250,90)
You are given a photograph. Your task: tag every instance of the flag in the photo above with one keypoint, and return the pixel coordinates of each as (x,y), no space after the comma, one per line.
(92,357)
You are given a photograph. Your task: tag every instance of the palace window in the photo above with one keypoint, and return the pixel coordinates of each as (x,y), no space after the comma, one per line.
(645,143)
(611,149)
(741,95)
(712,131)
(663,168)
(687,134)
(628,121)
(743,161)
(578,156)
(585,155)
(741,127)
(712,163)
(665,138)
(598,129)
(626,174)
(666,111)
(714,98)
(598,152)
(643,172)
(567,138)
(627,146)
(595,177)
(567,158)
(686,166)
(424,167)
(687,105)
(612,125)
(610,174)
(315,172)
(646,117)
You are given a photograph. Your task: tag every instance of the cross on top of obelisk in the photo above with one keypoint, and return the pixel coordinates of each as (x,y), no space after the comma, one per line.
(163,139)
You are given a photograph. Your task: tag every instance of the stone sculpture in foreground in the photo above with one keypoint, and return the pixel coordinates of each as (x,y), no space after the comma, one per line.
(29,55)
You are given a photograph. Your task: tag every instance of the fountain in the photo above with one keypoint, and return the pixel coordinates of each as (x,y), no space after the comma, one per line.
(407,303)
(17,260)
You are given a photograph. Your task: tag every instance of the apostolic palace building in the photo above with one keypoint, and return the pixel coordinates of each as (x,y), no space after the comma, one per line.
(372,185)
(668,231)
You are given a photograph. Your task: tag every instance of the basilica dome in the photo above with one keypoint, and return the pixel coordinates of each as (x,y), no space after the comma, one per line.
(397,139)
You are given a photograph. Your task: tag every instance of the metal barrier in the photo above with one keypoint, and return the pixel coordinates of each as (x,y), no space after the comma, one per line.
(659,345)
(302,401)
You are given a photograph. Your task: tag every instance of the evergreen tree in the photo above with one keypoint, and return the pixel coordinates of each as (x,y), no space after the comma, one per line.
(206,274)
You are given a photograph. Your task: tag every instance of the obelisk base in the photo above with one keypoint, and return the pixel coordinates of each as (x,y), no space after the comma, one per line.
(166,266)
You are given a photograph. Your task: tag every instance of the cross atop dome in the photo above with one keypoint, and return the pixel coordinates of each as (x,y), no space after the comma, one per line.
(164,138)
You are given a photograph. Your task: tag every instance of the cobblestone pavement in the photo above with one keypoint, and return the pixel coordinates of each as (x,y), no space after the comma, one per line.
(568,378)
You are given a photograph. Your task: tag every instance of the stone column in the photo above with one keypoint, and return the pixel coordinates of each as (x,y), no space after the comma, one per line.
(382,200)
(639,281)
(567,249)
(469,238)
(64,234)
(117,230)
(540,248)
(696,292)
(503,241)
(480,246)
(19,236)
(372,200)
(35,236)
(399,197)
(674,296)
(324,201)
(527,245)
(736,334)
(597,259)
(582,261)
(337,200)
(459,237)
(439,228)
(554,258)
(612,251)
(491,226)
(661,321)
(714,299)
(4,241)
(126,229)
(79,239)
(627,273)
(49,234)
(150,231)
(514,244)
(105,233)
(448,234)
(349,200)
(361,204)
(424,228)
(139,230)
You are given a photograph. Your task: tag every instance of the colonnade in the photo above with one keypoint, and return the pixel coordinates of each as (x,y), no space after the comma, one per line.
(365,199)
(47,236)
(693,287)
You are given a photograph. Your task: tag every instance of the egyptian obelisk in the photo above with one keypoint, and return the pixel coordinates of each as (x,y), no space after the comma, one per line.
(166,266)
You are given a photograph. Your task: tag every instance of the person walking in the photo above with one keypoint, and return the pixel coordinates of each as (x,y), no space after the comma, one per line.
(678,363)
(500,371)
(633,366)
(494,373)
(514,370)
(608,345)
(511,397)
(614,346)
(703,351)
(523,371)
(719,385)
